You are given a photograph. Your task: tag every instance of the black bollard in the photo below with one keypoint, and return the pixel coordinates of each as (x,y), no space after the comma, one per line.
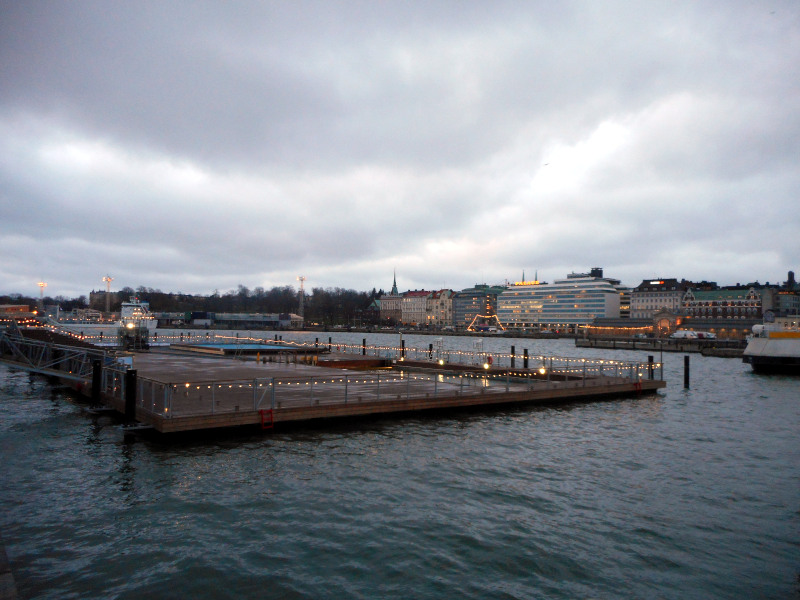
(686,371)
(97,381)
(316,342)
(430,351)
(525,358)
(650,366)
(130,395)
(512,356)
(330,343)
(364,347)
(403,349)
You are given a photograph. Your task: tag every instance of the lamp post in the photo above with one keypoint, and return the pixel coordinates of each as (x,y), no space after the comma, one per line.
(42,285)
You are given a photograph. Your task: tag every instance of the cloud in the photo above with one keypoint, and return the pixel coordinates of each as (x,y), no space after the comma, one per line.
(197,148)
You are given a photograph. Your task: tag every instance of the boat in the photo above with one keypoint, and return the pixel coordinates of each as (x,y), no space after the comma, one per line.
(774,346)
(134,314)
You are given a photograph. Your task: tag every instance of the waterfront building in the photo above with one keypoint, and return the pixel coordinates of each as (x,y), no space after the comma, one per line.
(413,308)
(654,295)
(477,301)
(722,304)
(562,305)
(439,309)
(390,308)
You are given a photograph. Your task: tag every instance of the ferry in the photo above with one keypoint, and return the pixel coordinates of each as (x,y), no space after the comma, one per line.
(774,346)
(133,313)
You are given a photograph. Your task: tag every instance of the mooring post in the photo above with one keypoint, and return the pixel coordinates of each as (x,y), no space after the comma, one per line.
(402,348)
(512,356)
(525,358)
(430,351)
(650,367)
(330,343)
(130,395)
(364,347)
(686,371)
(97,381)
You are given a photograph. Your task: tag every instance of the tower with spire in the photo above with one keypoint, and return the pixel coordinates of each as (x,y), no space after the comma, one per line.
(390,304)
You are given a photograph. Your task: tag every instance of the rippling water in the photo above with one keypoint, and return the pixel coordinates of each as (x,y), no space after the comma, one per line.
(686,494)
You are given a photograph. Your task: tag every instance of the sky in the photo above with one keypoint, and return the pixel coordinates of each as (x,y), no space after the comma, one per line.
(199,146)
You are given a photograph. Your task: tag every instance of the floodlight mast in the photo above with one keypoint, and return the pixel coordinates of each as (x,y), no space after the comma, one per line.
(41,285)
(301,279)
(108,279)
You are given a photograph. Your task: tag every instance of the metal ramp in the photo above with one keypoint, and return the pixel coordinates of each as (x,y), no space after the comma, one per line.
(74,363)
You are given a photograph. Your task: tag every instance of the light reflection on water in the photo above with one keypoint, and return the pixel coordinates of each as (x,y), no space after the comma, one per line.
(688,493)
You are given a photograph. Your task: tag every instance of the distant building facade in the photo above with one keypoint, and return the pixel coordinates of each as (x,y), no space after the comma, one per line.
(722,304)
(413,308)
(439,309)
(654,295)
(563,304)
(390,305)
(477,301)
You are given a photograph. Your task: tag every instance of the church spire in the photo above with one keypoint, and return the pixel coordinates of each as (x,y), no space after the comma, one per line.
(394,283)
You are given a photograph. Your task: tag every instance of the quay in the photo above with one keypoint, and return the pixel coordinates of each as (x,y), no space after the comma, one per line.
(715,347)
(178,391)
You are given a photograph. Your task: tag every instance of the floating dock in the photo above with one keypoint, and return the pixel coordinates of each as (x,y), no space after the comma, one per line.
(173,391)
(184,393)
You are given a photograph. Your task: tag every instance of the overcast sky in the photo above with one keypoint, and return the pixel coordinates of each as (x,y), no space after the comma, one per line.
(199,146)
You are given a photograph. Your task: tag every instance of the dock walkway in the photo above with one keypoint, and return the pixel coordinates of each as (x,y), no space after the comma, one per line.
(179,393)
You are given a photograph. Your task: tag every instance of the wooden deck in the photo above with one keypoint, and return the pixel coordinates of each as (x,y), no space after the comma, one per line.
(184,393)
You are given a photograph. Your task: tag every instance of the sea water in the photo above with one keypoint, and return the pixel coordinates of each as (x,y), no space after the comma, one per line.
(688,493)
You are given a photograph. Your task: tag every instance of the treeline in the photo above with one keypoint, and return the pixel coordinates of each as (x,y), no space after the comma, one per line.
(66,304)
(326,306)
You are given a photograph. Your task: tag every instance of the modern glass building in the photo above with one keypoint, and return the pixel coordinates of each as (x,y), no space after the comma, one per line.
(477,301)
(563,304)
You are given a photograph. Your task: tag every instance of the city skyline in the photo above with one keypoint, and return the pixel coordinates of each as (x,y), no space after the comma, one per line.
(41,285)
(458,142)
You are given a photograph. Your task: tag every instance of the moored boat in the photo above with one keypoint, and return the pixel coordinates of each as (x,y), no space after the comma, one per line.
(774,346)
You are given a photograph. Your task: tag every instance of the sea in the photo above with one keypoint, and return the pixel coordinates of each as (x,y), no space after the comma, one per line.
(688,493)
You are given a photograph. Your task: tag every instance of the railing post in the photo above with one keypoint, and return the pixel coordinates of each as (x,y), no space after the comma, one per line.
(97,381)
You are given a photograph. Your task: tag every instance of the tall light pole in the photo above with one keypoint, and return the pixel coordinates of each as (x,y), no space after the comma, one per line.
(301,279)
(108,279)
(42,285)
